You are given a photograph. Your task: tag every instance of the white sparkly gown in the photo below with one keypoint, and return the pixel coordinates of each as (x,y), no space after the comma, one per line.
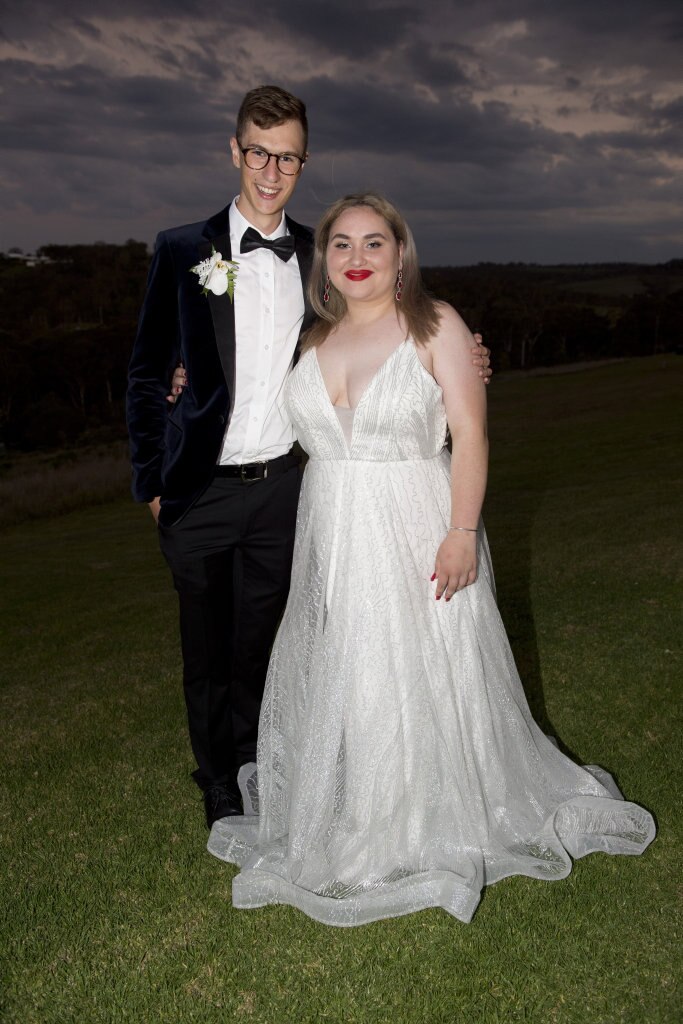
(399,766)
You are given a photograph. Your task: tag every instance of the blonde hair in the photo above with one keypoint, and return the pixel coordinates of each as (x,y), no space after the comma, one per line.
(418,309)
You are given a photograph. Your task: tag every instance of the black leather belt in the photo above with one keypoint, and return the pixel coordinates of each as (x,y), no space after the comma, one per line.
(250,471)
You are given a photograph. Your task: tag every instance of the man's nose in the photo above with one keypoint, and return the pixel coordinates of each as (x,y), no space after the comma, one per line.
(271,171)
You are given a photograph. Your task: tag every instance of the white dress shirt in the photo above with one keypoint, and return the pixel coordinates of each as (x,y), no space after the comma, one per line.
(269,308)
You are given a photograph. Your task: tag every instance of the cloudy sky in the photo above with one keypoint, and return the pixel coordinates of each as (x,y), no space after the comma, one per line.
(505,129)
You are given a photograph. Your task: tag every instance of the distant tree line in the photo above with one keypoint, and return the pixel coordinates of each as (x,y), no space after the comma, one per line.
(540,316)
(65,342)
(68,326)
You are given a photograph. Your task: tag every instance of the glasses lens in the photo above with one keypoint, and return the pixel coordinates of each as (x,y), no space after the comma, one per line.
(289,164)
(255,158)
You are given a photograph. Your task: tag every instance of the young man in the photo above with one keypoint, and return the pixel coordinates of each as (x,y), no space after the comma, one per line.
(216,469)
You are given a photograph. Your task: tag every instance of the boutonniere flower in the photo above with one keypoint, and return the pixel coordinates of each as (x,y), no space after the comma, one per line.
(216,274)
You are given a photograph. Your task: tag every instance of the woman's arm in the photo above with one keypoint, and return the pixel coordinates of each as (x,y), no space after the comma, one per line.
(464,397)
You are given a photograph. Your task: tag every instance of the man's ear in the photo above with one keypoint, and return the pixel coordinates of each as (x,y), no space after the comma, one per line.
(236,154)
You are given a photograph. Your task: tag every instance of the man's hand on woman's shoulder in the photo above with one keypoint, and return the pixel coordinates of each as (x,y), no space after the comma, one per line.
(482,357)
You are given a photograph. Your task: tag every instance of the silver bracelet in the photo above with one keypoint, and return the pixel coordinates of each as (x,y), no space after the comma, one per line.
(464,529)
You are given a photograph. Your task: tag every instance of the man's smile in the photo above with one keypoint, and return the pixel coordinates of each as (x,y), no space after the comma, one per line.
(267,193)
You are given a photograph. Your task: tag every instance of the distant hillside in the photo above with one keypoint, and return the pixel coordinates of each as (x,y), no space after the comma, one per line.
(534,315)
(69,316)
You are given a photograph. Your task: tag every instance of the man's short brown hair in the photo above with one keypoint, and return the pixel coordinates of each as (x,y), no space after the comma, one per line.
(268,106)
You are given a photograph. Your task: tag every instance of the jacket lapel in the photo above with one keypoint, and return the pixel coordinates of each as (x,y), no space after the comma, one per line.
(217,236)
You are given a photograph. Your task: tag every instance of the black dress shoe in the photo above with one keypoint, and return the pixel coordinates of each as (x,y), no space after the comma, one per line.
(221,801)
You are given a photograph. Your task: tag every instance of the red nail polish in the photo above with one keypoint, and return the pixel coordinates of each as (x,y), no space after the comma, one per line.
(438,597)
(432,577)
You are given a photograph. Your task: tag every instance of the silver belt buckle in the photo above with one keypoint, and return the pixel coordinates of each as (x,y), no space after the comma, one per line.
(246,479)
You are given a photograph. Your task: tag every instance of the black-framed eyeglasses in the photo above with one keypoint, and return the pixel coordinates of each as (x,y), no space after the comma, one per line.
(257,158)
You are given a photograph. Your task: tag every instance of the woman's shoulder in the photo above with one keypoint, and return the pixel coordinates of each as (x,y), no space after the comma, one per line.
(448,314)
(451,324)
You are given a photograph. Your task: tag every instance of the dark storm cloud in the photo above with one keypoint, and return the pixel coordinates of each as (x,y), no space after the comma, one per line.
(332,26)
(538,166)
(355,28)
(503,132)
(394,122)
(608,34)
(437,65)
(586,178)
(662,121)
(84,111)
(87,28)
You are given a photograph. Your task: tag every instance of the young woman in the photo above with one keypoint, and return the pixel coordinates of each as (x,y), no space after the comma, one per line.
(399,766)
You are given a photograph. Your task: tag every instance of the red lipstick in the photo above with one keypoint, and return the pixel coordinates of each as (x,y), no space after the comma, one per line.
(357,275)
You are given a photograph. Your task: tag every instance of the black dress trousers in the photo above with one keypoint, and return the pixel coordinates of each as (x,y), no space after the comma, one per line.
(231,558)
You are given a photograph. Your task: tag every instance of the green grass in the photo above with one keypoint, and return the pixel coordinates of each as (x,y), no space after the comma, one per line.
(113,912)
(41,485)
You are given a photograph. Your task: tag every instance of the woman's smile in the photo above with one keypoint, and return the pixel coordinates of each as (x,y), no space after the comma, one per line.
(357,275)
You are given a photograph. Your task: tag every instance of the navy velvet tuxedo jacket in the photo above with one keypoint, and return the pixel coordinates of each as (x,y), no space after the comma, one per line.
(175,448)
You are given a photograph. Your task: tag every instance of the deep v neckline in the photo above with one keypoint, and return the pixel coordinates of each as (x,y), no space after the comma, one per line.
(380,369)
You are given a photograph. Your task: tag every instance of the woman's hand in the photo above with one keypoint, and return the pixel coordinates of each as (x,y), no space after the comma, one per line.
(177,384)
(482,358)
(455,566)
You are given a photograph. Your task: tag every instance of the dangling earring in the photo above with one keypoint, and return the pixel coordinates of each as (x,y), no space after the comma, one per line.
(326,293)
(399,284)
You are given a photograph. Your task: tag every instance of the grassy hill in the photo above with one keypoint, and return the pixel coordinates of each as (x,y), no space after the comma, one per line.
(114,912)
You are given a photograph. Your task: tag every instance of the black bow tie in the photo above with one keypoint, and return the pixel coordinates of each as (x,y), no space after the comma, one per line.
(282,246)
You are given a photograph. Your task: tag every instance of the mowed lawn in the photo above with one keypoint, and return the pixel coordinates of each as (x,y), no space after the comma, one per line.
(113,911)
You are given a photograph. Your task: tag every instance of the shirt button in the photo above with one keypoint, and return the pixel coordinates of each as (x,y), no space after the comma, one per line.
(263,383)
(266,347)
(267,309)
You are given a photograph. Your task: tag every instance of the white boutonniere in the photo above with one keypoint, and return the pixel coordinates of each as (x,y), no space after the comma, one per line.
(216,274)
